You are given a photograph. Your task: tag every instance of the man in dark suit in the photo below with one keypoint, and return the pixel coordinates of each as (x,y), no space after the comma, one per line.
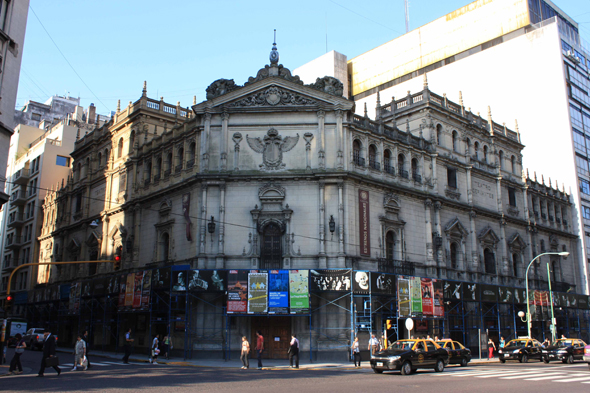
(48,352)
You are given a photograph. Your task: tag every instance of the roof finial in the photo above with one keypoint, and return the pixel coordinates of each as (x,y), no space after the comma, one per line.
(144,91)
(118,106)
(460,98)
(527,173)
(517,130)
(378,99)
(274,53)
(194,100)
(490,121)
(366,109)
(425,81)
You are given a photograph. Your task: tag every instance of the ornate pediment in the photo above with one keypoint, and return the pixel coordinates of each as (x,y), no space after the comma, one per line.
(276,70)
(487,235)
(516,242)
(454,227)
(271,192)
(273,96)
(221,87)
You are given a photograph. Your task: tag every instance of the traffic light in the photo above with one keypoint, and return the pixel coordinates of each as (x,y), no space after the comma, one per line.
(8,304)
(388,324)
(117,264)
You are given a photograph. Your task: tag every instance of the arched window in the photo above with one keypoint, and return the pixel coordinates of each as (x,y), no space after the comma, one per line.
(191,155)
(468,147)
(158,168)
(79,172)
(168,168)
(148,171)
(401,166)
(120,148)
(515,263)
(106,157)
(357,154)
(501,159)
(554,272)
(87,167)
(416,171)
(164,246)
(490,261)
(455,141)
(373,163)
(454,256)
(99,159)
(542,245)
(485,154)
(180,160)
(439,130)
(513,164)
(476,150)
(387,164)
(390,245)
(131,140)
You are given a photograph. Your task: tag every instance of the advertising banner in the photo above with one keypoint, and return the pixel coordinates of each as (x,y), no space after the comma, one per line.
(257,293)
(122,290)
(113,284)
(86,289)
(453,290)
(129,286)
(520,295)
(582,302)
(427,292)
(382,283)
(278,292)
(505,294)
(364,223)
(207,280)
(299,291)
(415,295)
(403,296)
(100,286)
(439,310)
(237,291)
(471,292)
(572,300)
(137,291)
(147,288)
(330,280)
(361,283)
(179,279)
(161,278)
(489,293)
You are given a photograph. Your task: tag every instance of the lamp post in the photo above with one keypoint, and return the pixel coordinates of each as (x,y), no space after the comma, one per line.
(528,307)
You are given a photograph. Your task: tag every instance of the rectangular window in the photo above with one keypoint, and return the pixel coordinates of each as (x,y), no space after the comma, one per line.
(62,161)
(78,203)
(582,165)
(586,212)
(579,141)
(512,196)
(584,186)
(576,117)
(452,177)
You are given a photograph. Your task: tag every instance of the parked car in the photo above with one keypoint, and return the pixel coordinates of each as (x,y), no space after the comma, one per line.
(521,349)
(586,356)
(565,349)
(409,355)
(34,338)
(458,354)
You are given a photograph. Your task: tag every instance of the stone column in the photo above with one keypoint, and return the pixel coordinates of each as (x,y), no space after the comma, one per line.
(469,189)
(438,228)
(473,236)
(341,253)
(322,137)
(428,226)
(205,143)
(203,220)
(322,219)
(499,193)
(340,138)
(223,142)
(237,138)
(221,241)
(505,267)
(434,174)
(136,234)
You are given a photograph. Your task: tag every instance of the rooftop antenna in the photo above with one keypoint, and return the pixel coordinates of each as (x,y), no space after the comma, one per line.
(407,12)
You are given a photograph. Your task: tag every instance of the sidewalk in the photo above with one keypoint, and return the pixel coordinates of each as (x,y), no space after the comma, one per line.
(274,364)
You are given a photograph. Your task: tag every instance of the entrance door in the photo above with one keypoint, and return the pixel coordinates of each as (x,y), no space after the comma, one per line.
(271,254)
(277,336)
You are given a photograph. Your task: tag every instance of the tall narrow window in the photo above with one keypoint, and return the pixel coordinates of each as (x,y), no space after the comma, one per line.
(455,141)
(452,177)
(476,150)
(416,171)
(501,159)
(401,166)
(485,154)
(512,196)
(439,130)
(390,245)
(357,153)
(489,261)
(515,263)
(387,164)
(513,164)
(120,148)
(373,163)
(454,257)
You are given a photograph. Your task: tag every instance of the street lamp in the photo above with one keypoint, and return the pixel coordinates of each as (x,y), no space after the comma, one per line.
(528,307)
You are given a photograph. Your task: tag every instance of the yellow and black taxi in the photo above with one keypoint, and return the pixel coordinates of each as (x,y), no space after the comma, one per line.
(521,349)
(410,355)
(458,354)
(565,349)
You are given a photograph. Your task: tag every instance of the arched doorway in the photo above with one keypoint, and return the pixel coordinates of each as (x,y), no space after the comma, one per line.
(271,254)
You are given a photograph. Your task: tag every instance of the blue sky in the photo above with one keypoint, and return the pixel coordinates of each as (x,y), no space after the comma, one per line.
(180,47)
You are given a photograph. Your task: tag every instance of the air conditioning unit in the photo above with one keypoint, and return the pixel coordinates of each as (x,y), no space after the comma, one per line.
(572,56)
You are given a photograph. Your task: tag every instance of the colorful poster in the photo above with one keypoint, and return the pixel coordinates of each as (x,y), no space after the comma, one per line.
(299,291)
(179,280)
(129,286)
(572,300)
(361,282)
(439,310)
(147,288)
(122,290)
(416,295)
(453,290)
(137,291)
(278,292)
(237,291)
(161,278)
(330,280)
(382,283)
(257,293)
(364,224)
(506,294)
(519,295)
(206,280)
(427,293)
(403,297)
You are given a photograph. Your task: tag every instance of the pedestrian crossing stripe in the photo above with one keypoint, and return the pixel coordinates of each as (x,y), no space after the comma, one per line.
(529,374)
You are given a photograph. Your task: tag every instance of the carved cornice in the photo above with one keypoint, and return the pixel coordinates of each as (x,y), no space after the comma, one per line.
(273,96)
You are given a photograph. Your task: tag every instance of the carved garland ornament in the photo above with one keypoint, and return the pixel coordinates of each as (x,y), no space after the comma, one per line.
(273,96)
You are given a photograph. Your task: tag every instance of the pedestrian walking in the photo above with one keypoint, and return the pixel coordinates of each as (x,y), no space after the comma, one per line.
(86,338)
(502,342)
(165,346)
(294,352)
(373,345)
(245,353)
(546,343)
(491,348)
(259,348)
(19,350)
(48,353)
(155,350)
(79,353)
(356,353)
(128,342)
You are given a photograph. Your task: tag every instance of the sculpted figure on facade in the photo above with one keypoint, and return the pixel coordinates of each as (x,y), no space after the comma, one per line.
(272,146)
(221,87)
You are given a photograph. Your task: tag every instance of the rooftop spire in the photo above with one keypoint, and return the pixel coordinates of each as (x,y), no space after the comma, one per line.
(274,53)
(144,91)
(425,81)
(517,130)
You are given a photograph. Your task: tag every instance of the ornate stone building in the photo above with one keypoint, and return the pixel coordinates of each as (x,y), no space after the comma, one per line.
(275,174)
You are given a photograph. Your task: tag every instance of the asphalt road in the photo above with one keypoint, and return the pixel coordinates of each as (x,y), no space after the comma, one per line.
(109,375)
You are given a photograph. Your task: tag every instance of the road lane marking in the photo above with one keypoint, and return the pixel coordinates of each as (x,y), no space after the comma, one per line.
(573,379)
(504,374)
(561,376)
(533,375)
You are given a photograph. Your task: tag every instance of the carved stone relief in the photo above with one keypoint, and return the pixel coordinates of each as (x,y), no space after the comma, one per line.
(272,146)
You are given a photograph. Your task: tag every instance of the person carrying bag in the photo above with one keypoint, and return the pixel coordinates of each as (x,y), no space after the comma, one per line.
(20,349)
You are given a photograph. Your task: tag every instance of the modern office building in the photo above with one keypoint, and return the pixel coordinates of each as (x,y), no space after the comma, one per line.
(518,60)
(51,111)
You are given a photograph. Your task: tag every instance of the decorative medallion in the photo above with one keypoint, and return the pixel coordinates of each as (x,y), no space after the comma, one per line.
(272,147)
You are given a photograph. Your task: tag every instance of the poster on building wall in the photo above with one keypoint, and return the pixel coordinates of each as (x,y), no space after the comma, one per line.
(257,293)
(138,290)
(415,296)
(471,292)
(129,287)
(453,290)
(161,278)
(583,302)
(278,292)
(330,279)
(572,300)
(489,293)
(364,224)
(403,297)
(86,289)
(207,280)
(113,283)
(520,295)
(179,280)
(427,296)
(299,291)
(505,294)
(439,310)
(147,288)
(382,283)
(100,286)
(122,289)
(237,291)
(361,283)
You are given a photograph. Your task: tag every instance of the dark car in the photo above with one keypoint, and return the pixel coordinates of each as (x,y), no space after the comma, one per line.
(586,357)
(565,349)
(521,349)
(409,355)
(458,354)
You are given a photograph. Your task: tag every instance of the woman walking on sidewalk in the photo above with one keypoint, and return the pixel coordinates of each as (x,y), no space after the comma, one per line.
(491,349)
(245,353)
(15,362)
(166,346)
(155,350)
(356,352)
